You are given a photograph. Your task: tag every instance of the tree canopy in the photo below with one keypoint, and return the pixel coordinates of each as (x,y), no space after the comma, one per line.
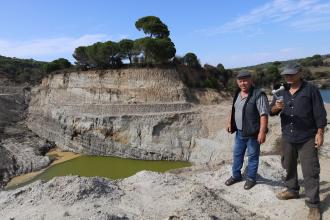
(157,48)
(99,55)
(57,64)
(127,50)
(190,59)
(272,74)
(153,26)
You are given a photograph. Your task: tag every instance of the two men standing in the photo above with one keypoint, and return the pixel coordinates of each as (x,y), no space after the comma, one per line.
(303,119)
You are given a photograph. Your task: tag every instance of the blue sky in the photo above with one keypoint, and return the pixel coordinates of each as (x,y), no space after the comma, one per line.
(235,33)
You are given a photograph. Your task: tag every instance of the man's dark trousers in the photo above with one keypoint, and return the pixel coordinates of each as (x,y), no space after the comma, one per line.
(308,156)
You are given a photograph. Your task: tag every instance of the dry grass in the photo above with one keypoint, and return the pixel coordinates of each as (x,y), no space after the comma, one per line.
(320,69)
(326,60)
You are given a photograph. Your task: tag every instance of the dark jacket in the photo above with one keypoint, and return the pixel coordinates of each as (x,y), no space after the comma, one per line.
(303,113)
(251,117)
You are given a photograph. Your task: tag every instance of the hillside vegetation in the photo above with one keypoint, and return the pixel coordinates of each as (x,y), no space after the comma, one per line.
(21,70)
(29,70)
(315,69)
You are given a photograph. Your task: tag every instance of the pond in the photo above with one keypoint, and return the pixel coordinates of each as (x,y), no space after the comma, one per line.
(110,167)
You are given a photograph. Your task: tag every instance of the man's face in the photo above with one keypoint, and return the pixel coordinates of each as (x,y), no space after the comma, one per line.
(293,78)
(244,84)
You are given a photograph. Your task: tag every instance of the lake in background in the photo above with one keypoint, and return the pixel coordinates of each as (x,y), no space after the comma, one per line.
(325,93)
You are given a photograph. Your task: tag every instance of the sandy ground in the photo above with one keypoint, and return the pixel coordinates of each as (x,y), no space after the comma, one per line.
(301,210)
(261,199)
(325,187)
(60,157)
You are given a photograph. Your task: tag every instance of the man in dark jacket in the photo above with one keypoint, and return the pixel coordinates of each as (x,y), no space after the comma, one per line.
(249,119)
(303,119)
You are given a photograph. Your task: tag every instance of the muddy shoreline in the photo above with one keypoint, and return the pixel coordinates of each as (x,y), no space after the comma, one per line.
(59,157)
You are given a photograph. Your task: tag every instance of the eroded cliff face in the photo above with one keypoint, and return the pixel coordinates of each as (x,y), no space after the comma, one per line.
(137,113)
(21,151)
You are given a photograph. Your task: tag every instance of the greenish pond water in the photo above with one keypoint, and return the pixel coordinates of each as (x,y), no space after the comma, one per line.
(110,167)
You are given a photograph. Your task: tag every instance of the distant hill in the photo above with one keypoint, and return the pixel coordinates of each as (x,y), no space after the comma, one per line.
(315,69)
(21,70)
(325,58)
(29,70)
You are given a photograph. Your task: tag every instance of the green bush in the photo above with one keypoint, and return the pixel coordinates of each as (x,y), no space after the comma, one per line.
(211,83)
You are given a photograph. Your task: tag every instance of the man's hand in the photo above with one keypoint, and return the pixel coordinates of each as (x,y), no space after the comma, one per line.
(261,137)
(279,104)
(229,128)
(319,138)
(263,129)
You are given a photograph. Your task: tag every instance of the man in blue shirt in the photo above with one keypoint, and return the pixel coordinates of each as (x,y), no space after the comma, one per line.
(303,119)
